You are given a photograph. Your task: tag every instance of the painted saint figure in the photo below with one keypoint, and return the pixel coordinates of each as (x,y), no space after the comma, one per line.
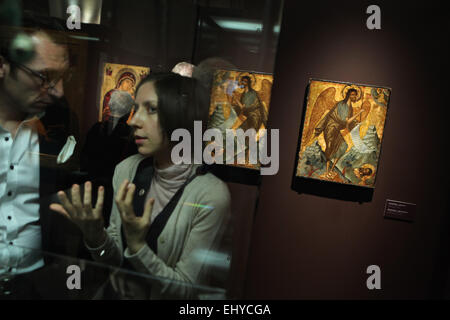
(250,105)
(338,118)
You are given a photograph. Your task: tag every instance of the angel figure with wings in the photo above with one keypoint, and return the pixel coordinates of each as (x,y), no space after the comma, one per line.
(335,119)
(236,104)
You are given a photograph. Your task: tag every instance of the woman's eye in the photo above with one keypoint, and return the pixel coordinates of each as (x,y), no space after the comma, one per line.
(151,109)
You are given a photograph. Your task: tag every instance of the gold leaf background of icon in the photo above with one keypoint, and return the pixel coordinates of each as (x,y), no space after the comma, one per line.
(376,116)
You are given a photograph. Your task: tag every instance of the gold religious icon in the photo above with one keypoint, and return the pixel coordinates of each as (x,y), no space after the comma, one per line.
(118,77)
(240,100)
(342,132)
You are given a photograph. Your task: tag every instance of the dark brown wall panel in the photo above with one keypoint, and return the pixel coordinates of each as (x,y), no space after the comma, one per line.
(305,246)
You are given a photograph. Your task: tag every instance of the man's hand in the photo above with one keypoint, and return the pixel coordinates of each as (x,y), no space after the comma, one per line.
(135,228)
(87,218)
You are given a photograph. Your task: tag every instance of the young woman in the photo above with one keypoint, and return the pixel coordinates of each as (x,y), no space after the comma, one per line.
(166,217)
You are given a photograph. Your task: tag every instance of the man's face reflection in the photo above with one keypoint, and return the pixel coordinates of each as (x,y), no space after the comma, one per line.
(26,91)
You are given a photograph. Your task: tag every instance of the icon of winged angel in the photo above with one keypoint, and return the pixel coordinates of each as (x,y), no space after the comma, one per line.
(244,107)
(330,117)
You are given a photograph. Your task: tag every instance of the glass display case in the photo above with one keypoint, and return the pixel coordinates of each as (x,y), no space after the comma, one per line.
(67,278)
(112,45)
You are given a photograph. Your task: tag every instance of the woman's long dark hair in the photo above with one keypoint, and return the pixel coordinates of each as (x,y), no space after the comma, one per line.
(181,101)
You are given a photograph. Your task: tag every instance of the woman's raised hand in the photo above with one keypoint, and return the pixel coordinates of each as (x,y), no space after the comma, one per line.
(135,228)
(87,218)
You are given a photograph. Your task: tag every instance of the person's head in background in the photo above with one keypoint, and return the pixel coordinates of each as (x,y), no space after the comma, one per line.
(33,64)
(121,103)
(166,102)
(205,70)
(184,69)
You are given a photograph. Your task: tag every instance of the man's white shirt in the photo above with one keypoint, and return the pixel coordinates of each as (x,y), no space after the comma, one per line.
(19,199)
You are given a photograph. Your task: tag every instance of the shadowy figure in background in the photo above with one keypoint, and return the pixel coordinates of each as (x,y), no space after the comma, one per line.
(108,143)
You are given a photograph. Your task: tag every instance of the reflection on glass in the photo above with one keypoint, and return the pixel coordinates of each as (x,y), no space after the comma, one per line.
(204,36)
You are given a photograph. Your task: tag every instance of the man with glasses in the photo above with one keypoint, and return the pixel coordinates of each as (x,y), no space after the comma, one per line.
(32,136)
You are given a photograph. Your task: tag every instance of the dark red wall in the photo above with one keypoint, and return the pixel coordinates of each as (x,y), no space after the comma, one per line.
(306,246)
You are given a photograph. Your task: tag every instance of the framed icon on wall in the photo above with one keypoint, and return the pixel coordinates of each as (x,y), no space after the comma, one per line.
(342,132)
(118,77)
(240,100)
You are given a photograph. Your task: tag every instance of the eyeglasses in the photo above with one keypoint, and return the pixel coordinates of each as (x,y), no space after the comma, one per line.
(49,79)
